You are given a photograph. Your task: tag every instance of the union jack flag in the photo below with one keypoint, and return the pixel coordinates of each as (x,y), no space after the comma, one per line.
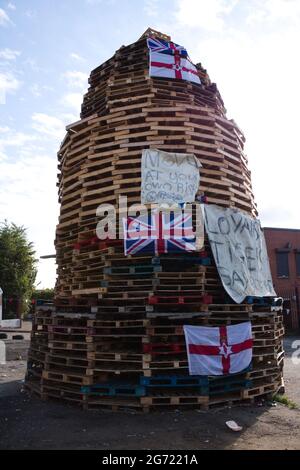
(165,47)
(159,233)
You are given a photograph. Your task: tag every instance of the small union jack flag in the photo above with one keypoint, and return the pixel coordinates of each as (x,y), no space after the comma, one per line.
(165,47)
(159,233)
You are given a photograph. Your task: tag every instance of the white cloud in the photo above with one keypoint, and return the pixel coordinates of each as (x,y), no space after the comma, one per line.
(48,125)
(205,14)
(14,138)
(270,11)
(28,191)
(76,56)
(15,141)
(31,14)
(11,6)
(4,18)
(72,100)
(37,90)
(69,117)
(28,197)
(76,79)
(8,84)
(9,54)
(151,7)
(33,65)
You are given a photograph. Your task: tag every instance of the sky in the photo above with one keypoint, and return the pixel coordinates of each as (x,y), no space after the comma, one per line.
(48,48)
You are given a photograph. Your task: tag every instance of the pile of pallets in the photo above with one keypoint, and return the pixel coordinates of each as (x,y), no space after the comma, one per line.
(129,351)
(143,363)
(115,335)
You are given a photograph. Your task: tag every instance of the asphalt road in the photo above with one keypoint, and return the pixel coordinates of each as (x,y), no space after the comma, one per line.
(28,423)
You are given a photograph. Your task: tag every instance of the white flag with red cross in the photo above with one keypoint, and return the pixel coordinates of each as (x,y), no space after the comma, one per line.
(172,66)
(218,350)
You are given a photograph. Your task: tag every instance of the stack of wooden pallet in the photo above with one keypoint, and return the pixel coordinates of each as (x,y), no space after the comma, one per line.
(115,335)
(97,360)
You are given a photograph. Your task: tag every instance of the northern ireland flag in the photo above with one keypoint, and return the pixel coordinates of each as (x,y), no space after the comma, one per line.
(172,66)
(218,351)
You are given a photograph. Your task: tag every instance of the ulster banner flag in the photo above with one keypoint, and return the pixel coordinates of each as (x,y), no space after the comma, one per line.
(172,66)
(218,351)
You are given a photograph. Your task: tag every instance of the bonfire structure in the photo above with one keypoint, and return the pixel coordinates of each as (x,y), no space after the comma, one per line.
(120,332)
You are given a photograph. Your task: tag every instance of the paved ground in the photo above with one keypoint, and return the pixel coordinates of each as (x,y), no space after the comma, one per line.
(291,370)
(28,423)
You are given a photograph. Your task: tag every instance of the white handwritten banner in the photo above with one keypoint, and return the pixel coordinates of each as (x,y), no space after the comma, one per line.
(169,177)
(239,249)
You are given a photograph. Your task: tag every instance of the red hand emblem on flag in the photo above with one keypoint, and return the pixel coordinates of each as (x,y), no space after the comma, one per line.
(173,66)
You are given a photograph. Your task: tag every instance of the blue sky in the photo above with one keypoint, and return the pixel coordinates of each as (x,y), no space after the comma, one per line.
(48,48)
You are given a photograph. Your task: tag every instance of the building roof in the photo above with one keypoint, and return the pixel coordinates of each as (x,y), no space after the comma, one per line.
(282,228)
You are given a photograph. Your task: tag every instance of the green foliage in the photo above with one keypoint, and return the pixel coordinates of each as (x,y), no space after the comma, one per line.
(17,262)
(39,294)
(284,400)
(45,294)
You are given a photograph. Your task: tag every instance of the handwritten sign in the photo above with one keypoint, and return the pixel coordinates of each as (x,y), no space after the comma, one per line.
(239,249)
(170,178)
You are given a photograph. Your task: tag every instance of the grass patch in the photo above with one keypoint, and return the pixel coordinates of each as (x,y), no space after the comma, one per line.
(284,400)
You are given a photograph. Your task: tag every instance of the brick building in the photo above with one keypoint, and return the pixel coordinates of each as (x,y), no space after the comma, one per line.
(283,246)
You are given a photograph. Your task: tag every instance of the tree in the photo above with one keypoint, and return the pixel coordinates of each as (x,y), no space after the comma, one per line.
(45,294)
(17,263)
(40,294)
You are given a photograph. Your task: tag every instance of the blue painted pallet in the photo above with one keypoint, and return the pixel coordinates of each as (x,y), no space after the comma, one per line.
(204,388)
(212,383)
(264,301)
(40,302)
(173,381)
(225,388)
(221,387)
(200,385)
(209,382)
(113,390)
(156,260)
(125,270)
